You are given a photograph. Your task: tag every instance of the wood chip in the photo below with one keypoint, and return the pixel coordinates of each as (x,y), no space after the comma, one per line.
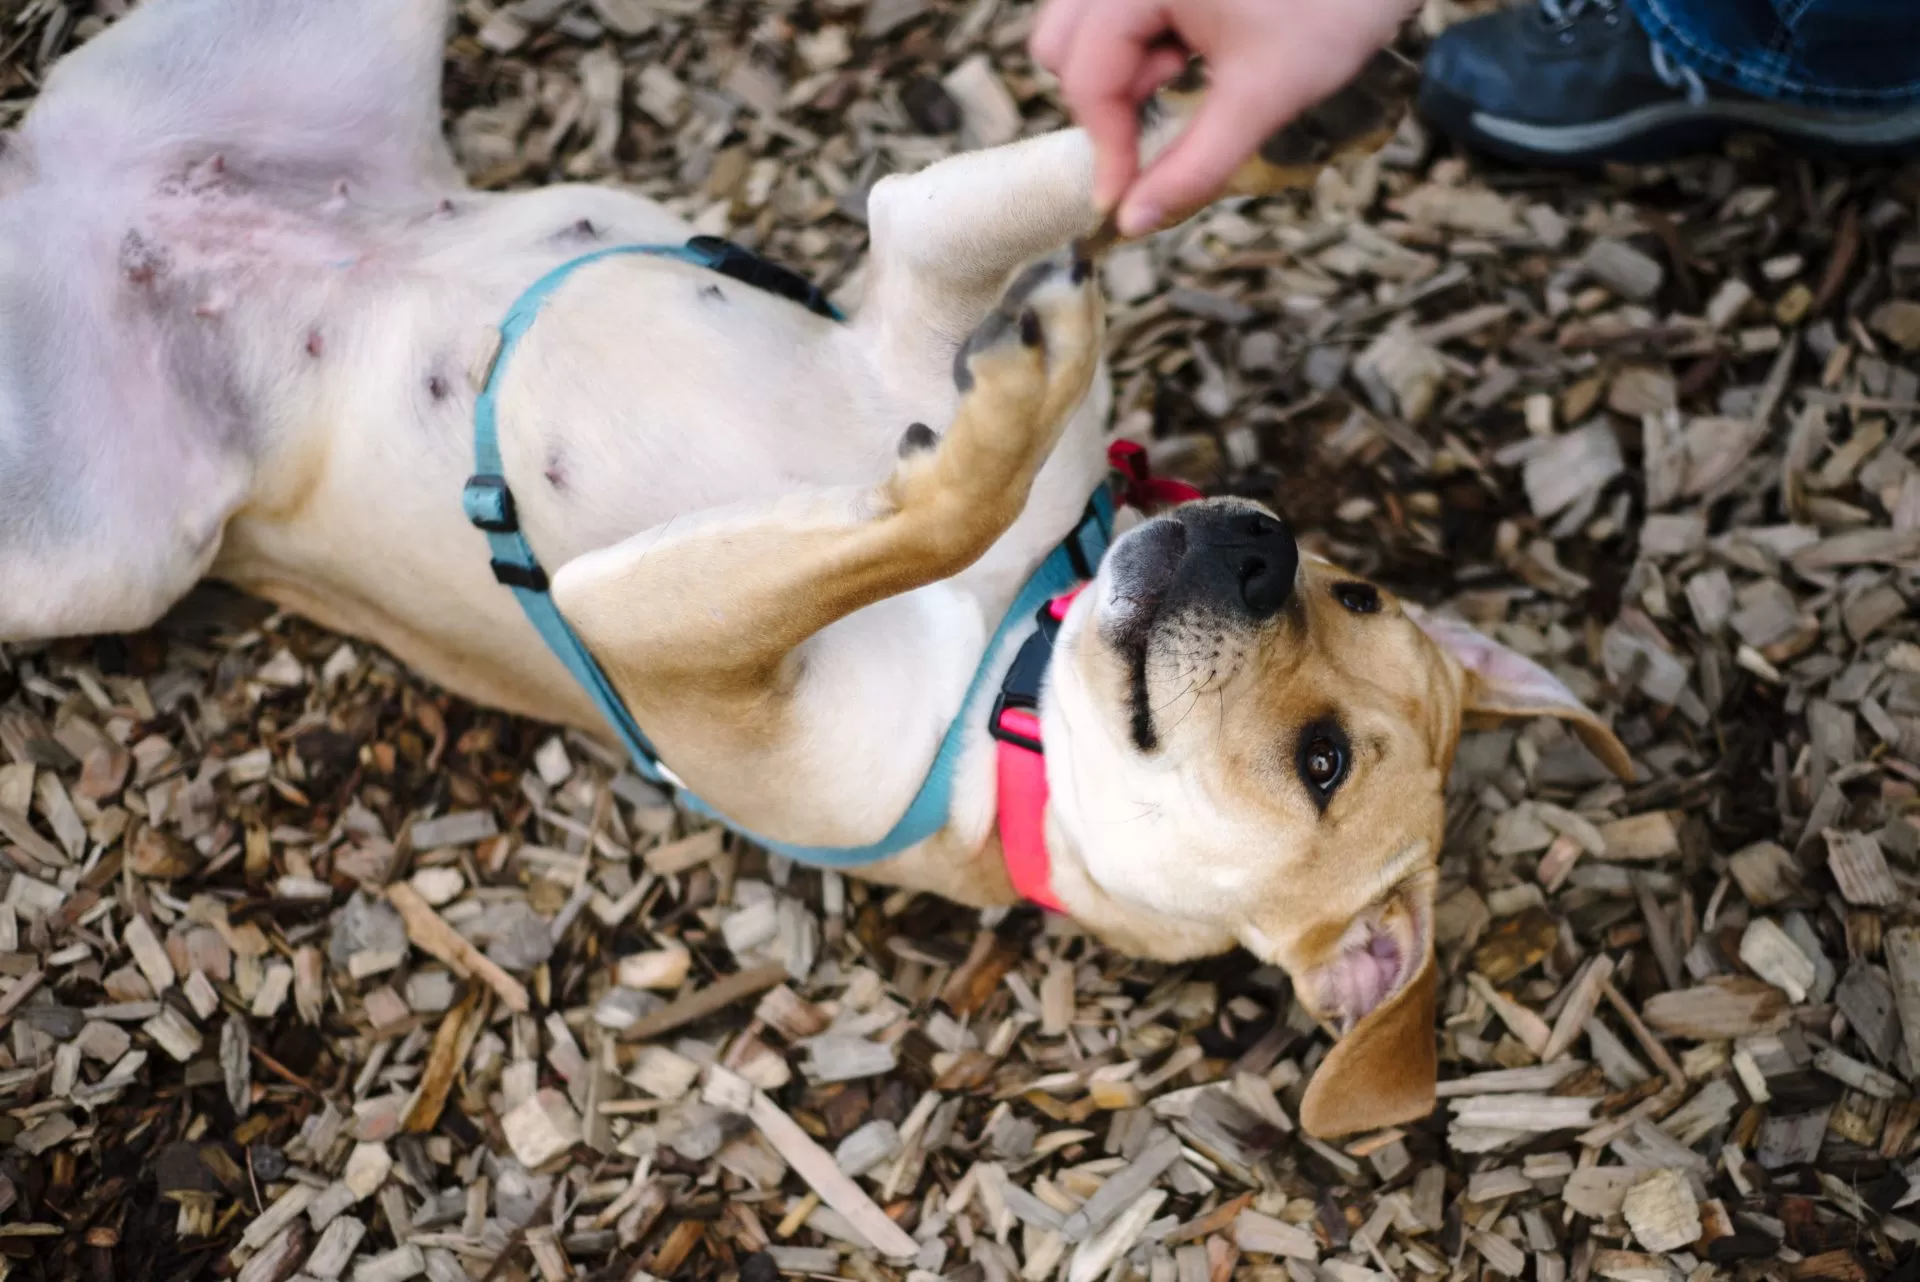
(1774,957)
(1721,1009)
(814,1165)
(1642,838)
(1259,1234)
(434,937)
(1861,869)
(148,954)
(1903,965)
(1662,1211)
(1623,269)
(712,999)
(542,1128)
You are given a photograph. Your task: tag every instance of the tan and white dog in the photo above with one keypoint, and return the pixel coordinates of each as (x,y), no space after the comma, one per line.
(242,288)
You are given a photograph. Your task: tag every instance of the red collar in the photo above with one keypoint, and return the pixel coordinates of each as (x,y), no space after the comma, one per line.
(1022,767)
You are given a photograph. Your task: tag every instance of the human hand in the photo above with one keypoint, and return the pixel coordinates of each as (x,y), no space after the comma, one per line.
(1267,61)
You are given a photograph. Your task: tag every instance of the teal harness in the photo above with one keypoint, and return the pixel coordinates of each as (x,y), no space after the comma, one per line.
(489,506)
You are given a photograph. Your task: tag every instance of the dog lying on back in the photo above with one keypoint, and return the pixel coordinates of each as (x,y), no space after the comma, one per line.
(246,307)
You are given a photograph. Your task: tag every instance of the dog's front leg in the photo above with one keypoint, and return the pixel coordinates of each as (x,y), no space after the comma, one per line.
(945,238)
(710,628)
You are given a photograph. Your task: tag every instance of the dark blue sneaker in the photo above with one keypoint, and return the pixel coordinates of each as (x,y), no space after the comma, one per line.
(1578,83)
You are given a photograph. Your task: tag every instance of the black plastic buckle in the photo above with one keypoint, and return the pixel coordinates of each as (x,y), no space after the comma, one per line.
(1020,690)
(1076,543)
(530,578)
(491,489)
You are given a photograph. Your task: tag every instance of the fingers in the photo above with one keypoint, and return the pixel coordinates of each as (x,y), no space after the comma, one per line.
(1112,49)
(1238,113)
(1053,32)
(1163,63)
(1268,62)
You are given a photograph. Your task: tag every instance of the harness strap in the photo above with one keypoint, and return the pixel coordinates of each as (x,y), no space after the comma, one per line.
(489,506)
(1020,764)
(1020,757)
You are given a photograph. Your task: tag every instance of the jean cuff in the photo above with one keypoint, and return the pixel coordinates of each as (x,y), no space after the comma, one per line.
(1768,73)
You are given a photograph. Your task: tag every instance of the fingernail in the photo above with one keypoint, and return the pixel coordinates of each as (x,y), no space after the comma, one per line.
(1139,220)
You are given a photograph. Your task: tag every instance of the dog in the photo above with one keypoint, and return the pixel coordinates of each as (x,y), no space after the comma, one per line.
(248,308)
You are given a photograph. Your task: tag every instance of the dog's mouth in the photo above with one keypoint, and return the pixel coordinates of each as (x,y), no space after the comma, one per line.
(1140,570)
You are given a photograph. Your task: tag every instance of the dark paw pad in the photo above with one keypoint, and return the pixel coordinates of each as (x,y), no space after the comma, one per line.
(1027,281)
(990,332)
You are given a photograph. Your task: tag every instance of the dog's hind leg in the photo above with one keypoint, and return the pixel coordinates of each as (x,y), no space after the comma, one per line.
(149,204)
(706,626)
(324,90)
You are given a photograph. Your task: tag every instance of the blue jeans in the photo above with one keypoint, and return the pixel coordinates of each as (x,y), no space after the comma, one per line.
(1859,54)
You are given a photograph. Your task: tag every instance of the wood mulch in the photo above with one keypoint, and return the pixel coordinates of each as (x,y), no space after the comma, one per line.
(309,970)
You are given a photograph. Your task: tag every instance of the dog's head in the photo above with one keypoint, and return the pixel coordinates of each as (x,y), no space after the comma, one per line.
(1250,742)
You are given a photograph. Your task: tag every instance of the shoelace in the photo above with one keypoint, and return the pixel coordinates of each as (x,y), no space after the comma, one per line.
(1679,76)
(1563,14)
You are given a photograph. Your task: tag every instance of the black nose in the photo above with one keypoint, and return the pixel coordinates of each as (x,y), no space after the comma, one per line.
(1250,555)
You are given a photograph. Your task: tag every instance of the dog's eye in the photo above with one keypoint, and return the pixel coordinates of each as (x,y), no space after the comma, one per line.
(1323,760)
(1324,763)
(1361,598)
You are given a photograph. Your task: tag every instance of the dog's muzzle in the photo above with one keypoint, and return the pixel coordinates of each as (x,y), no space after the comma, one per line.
(1223,559)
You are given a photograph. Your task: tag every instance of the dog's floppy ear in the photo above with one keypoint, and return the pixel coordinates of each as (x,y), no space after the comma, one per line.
(1499,684)
(1383,1072)
(1380,989)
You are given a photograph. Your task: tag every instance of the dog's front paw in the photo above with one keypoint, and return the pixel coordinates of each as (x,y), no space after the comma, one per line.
(1037,347)
(1021,374)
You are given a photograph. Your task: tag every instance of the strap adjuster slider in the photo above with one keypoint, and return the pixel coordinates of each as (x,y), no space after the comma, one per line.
(489,504)
(529,578)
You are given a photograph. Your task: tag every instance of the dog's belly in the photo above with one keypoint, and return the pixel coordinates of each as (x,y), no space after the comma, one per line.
(651,391)
(648,392)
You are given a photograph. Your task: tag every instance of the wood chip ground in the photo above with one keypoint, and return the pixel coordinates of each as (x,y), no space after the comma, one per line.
(310,971)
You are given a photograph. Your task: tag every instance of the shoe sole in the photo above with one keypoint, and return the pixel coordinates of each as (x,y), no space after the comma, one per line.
(1666,131)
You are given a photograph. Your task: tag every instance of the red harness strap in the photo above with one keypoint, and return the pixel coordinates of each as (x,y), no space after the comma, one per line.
(1022,766)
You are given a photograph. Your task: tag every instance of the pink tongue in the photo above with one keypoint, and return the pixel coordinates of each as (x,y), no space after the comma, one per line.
(1364,976)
